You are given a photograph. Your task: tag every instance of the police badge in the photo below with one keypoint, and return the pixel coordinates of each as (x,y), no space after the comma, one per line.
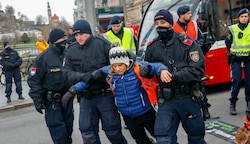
(194,55)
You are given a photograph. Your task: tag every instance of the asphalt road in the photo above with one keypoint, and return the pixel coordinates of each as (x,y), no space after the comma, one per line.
(26,126)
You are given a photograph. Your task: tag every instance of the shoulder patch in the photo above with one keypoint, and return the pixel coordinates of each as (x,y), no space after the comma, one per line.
(188,41)
(194,56)
(33,71)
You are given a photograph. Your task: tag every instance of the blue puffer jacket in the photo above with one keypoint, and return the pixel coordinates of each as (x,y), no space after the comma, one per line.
(131,98)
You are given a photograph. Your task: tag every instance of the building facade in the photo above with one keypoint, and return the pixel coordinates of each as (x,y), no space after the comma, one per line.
(133,9)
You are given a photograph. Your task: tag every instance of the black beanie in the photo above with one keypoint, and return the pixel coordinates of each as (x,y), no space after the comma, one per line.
(242,11)
(164,15)
(55,35)
(115,20)
(82,26)
(5,44)
(182,10)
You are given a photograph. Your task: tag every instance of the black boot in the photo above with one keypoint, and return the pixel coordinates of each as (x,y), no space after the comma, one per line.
(233,109)
(21,97)
(207,114)
(8,100)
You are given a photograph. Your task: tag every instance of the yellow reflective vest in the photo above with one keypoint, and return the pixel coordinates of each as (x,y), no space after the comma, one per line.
(240,46)
(127,41)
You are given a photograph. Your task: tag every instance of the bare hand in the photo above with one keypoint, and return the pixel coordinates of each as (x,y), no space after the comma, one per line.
(166,76)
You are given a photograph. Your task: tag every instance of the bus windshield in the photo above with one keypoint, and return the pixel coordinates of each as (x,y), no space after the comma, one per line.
(147,31)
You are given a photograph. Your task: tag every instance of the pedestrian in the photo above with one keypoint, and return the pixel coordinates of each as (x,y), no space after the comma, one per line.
(238,43)
(131,99)
(71,37)
(186,25)
(185,61)
(88,54)
(11,62)
(124,36)
(41,44)
(47,86)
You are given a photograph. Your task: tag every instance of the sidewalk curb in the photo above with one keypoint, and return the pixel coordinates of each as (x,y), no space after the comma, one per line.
(16,105)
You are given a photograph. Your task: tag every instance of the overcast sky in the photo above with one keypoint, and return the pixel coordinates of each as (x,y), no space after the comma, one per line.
(32,8)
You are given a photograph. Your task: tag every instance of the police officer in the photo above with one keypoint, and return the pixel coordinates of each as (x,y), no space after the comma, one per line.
(90,53)
(186,25)
(238,42)
(48,84)
(176,104)
(11,61)
(124,36)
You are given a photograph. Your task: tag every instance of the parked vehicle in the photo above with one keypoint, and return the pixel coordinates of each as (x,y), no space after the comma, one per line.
(217,15)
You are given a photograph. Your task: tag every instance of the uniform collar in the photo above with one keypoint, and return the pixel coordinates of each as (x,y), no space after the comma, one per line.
(242,26)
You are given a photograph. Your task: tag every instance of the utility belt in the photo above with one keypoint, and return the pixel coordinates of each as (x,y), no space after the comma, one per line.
(54,96)
(169,93)
(234,58)
(88,94)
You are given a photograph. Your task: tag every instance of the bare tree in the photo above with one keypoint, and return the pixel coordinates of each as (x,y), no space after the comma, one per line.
(40,20)
(23,17)
(64,22)
(9,10)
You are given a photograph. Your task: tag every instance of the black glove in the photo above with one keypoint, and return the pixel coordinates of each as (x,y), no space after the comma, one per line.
(87,77)
(68,95)
(39,107)
(100,76)
(145,70)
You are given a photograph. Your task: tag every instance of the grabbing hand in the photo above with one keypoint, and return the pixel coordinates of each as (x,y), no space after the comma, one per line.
(145,70)
(39,107)
(68,95)
(100,76)
(87,77)
(166,76)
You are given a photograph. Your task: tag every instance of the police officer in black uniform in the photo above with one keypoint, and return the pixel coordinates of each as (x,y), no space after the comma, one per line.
(48,84)
(96,102)
(11,61)
(176,102)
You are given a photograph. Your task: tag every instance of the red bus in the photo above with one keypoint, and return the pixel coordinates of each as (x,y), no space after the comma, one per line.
(218,15)
(105,14)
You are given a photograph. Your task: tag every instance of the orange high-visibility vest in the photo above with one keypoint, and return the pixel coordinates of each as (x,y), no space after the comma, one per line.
(192,29)
(148,84)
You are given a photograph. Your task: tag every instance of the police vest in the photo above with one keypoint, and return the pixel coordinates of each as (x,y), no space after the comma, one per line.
(192,29)
(240,45)
(127,41)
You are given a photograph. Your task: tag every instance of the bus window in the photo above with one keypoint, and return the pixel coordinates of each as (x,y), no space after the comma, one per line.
(105,15)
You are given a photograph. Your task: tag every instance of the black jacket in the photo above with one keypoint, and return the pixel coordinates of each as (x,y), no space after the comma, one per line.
(10,59)
(183,52)
(46,74)
(81,59)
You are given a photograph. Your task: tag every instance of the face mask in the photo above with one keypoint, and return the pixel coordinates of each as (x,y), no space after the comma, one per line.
(61,44)
(165,33)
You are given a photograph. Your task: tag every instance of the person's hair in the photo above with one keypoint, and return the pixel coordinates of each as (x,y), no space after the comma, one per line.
(112,70)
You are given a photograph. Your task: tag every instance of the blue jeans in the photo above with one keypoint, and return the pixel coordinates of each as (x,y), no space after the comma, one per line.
(102,108)
(60,122)
(171,113)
